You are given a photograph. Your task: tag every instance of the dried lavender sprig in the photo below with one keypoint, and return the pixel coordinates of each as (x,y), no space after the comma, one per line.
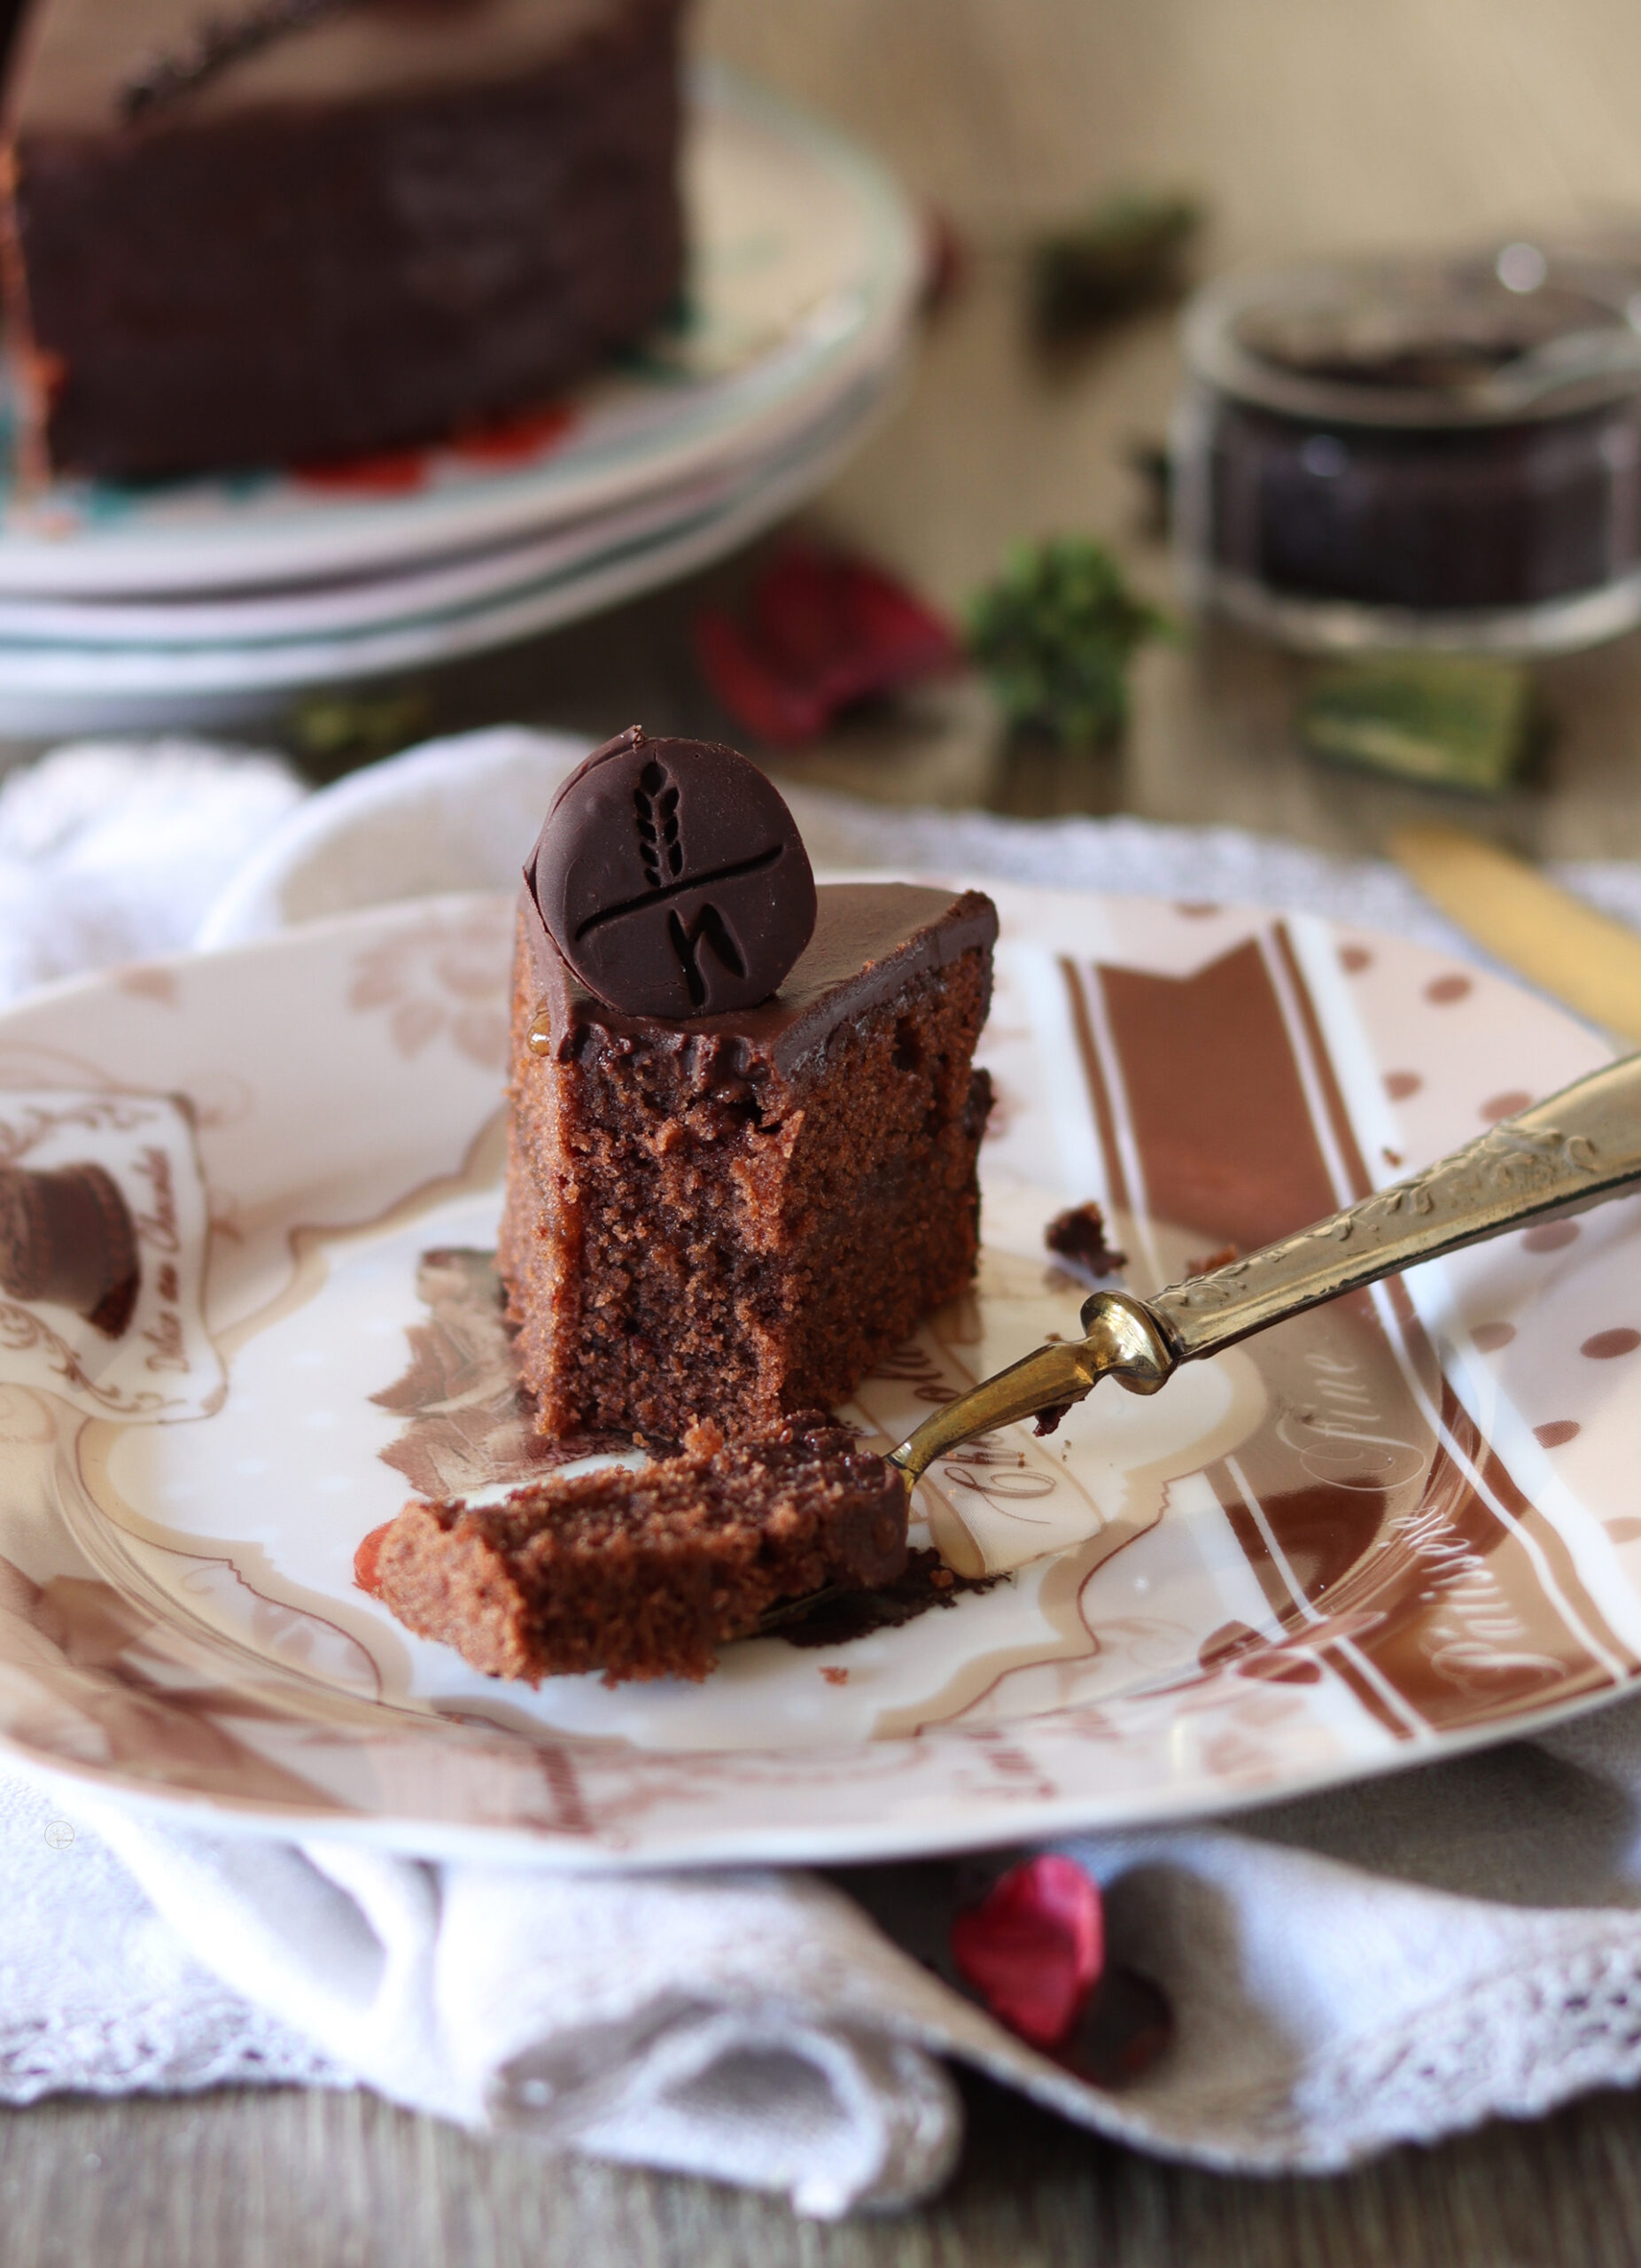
(218,41)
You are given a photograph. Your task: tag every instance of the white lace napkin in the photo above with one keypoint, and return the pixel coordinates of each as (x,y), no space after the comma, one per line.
(1391,1961)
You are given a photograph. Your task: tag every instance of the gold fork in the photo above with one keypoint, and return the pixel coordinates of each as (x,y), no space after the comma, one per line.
(1577,1149)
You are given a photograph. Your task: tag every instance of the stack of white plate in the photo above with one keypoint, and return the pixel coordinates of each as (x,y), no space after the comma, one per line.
(213,601)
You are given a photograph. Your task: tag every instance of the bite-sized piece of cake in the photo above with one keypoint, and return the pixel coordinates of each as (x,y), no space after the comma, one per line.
(275,231)
(735,1215)
(1077,1238)
(646,1575)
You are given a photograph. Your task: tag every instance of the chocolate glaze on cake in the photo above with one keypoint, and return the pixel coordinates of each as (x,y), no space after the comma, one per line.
(646,1575)
(401,217)
(735,1217)
(870,940)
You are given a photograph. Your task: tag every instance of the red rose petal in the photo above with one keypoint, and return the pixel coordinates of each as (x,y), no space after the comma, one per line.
(1034,1947)
(824,630)
(946,260)
(752,691)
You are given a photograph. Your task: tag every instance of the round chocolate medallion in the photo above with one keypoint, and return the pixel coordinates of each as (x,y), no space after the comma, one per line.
(673,879)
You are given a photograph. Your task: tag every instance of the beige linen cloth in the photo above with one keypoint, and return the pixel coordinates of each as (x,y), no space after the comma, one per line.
(1387,1962)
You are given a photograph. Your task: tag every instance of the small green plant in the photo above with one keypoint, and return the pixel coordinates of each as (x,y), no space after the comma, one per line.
(1129,252)
(1444,720)
(1054,634)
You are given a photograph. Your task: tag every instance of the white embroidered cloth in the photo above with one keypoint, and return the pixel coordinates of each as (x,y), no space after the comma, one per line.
(1387,1962)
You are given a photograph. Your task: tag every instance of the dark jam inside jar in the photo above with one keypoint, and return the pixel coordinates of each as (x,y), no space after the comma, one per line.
(1423,437)
(1454,519)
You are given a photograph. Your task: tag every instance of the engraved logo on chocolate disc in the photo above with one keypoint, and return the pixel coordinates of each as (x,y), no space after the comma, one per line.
(673,879)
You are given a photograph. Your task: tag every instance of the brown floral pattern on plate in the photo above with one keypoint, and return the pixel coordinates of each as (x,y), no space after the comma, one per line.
(470,1422)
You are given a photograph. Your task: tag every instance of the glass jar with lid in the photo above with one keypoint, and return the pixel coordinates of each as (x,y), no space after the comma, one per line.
(1416,452)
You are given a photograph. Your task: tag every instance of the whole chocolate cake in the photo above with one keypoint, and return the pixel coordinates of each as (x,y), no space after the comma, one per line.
(276,230)
(731,1213)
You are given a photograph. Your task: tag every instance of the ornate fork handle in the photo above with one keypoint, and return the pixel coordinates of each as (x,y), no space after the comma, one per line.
(1575,1150)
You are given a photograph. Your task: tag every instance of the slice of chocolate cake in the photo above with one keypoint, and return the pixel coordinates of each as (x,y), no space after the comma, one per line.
(730,1215)
(646,1575)
(275,231)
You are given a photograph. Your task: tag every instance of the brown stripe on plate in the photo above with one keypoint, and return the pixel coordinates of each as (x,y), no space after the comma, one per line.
(1215,1104)
(1555,1619)
(1327,1639)
(1228,1094)
(1359,1181)
(1580,1615)
(1229,1148)
(1099,1094)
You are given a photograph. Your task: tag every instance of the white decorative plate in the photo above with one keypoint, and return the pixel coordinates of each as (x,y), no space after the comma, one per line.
(364,603)
(1398,1527)
(805,263)
(157,676)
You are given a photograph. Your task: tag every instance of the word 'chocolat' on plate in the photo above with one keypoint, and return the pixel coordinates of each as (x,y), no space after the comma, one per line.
(673,879)
(68,1237)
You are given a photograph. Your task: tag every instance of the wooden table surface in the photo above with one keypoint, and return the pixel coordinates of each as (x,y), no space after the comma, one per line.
(1306,123)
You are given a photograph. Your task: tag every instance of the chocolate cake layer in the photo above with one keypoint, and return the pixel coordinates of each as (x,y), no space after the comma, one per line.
(735,1217)
(400,218)
(646,1575)
(10,11)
